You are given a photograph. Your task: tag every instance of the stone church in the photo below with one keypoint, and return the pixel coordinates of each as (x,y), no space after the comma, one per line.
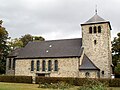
(89,56)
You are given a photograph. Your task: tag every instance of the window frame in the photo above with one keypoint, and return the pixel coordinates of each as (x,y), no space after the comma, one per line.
(9,64)
(56,65)
(95,29)
(13,64)
(87,74)
(32,65)
(43,65)
(38,65)
(99,29)
(49,65)
(90,30)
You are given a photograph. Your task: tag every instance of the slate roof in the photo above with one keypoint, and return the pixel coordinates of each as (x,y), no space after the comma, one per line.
(87,64)
(96,19)
(52,48)
(15,52)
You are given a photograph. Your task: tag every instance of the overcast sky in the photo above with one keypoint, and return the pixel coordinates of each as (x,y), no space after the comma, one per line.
(55,19)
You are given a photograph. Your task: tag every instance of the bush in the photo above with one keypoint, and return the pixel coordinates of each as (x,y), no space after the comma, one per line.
(114,82)
(77,81)
(93,84)
(16,79)
(59,85)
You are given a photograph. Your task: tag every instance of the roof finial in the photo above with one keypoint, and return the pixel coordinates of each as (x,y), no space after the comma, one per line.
(95,9)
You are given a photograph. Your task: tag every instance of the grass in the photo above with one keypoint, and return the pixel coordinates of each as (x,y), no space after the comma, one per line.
(21,86)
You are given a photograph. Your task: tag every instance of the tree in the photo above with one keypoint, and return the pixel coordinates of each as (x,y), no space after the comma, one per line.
(116,52)
(3,47)
(26,38)
(38,38)
(15,43)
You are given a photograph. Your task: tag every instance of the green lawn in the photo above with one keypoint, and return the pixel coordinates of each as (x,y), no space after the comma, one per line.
(21,86)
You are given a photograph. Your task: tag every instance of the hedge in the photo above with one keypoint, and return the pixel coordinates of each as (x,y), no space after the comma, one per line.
(77,81)
(74,81)
(16,79)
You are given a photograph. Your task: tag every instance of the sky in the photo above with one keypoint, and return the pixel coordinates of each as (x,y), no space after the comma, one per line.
(55,19)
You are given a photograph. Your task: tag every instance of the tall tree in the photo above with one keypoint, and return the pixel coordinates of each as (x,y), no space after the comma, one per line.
(3,47)
(116,52)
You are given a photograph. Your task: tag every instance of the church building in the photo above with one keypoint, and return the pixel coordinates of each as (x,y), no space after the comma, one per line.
(89,56)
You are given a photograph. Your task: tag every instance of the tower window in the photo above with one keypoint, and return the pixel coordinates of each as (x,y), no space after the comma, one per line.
(95,42)
(99,29)
(95,29)
(102,72)
(90,29)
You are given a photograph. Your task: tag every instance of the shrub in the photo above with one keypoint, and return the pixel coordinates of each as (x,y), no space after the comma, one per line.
(114,82)
(92,84)
(16,79)
(59,85)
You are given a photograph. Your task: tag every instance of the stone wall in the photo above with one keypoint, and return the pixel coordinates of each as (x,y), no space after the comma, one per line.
(67,67)
(100,54)
(9,71)
(92,73)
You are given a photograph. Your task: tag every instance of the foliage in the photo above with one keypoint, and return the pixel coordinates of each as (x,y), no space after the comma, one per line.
(59,85)
(15,43)
(114,82)
(26,38)
(92,84)
(3,47)
(23,41)
(16,79)
(117,69)
(116,52)
(38,38)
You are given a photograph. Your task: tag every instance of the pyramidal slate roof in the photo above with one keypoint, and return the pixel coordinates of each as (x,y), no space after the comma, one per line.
(87,64)
(53,48)
(95,18)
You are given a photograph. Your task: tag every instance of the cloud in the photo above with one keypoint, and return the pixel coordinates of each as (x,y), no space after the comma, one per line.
(55,19)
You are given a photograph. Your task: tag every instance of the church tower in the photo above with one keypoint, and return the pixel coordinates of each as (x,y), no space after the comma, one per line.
(96,40)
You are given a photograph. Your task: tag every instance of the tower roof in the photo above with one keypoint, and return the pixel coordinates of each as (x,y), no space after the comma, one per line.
(96,19)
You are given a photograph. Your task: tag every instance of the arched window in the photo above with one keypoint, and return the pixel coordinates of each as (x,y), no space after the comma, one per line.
(43,65)
(95,42)
(56,65)
(102,72)
(38,65)
(99,29)
(49,65)
(32,65)
(95,30)
(13,67)
(9,63)
(90,29)
(87,74)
